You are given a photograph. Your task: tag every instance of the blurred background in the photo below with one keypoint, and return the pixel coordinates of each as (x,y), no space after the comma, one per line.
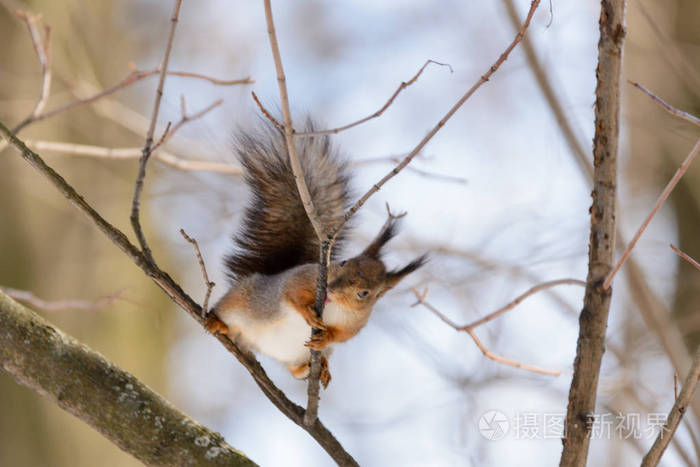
(499,198)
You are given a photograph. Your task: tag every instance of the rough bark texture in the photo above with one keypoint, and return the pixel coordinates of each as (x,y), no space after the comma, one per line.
(112,401)
(594,315)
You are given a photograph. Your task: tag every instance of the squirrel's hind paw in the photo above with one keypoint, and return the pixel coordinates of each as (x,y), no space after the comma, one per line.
(325,372)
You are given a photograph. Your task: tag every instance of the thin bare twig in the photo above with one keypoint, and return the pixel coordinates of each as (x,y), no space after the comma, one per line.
(519,299)
(289,128)
(169,131)
(294,412)
(686,257)
(147,149)
(210,285)
(218,82)
(420,297)
(675,415)
(265,112)
(159,155)
(423,173)
(43,53)
(659,202)
(29,298)
(665,105)
(484,78)
(379,112)
(162,138)
(326,241)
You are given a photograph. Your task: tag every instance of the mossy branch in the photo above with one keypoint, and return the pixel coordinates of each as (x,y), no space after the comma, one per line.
(114,402)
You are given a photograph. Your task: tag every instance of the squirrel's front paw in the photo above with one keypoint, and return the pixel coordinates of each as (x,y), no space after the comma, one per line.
(313,320)
(320,340)
(215,326)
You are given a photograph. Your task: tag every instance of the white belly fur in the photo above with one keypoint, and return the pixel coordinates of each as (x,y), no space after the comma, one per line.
(282,339)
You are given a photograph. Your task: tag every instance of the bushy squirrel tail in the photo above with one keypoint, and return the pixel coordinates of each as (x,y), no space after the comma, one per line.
(276,234)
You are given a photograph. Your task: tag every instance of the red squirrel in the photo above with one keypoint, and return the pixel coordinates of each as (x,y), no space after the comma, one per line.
(269,307)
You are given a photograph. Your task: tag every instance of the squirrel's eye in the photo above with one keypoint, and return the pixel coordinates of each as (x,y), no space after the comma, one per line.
(363,293)
(342,263)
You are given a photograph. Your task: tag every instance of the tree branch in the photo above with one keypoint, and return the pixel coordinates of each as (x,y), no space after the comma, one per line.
(62,305)
(146,154)
(469,328)
(209,284)
(675,415)
(114,402)
(43,54)
(376,114)
(686,257)
(659,202)
(159,154)
(594,316)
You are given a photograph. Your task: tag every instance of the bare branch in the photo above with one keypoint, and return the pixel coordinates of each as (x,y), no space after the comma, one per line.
(210,285)
(43,53)
(593,320)
(686,257)
(420,297)
(484,78)
(218,82)
(659,202)
(376,114)
(146,154)
(675,415)
(266,113)
(519,299)
(134,153)
(289,128)
(29,298)
(423,173)
(666,106)
(167,135)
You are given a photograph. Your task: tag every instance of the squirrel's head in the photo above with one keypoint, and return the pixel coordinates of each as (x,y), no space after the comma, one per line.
(357,283)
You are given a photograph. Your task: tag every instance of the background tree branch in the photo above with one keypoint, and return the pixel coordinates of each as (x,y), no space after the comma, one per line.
(593,320)
(115,403)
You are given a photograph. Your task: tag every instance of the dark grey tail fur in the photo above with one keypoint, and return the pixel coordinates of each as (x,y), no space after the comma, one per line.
(276,234)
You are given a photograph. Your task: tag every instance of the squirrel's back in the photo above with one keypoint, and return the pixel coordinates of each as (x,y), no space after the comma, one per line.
(276,234)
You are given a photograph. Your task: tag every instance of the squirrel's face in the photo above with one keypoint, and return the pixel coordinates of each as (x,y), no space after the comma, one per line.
(356,283)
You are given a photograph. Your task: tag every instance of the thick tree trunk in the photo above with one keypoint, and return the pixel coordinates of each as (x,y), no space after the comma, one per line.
(112,401)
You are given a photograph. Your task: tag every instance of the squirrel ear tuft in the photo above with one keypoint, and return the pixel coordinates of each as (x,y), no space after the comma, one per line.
(389,231)
(393,277)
